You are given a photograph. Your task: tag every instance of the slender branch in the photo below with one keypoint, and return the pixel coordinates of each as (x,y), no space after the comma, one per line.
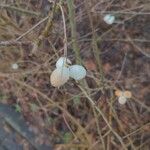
(104,118)
(20,10)
(13,43)
(73,30)
(65,31)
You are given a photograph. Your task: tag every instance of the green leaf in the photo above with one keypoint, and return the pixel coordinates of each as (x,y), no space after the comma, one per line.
(17,108)
(67,137)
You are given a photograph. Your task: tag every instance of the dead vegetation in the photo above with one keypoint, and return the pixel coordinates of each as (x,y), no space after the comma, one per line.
(79,115)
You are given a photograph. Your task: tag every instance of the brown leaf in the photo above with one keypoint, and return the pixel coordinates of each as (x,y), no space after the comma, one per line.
(107,68)
(90,65)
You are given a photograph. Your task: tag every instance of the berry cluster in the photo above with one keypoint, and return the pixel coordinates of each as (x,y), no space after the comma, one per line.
(64,70)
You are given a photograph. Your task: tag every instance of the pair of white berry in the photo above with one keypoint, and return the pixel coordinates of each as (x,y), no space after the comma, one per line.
(64,70)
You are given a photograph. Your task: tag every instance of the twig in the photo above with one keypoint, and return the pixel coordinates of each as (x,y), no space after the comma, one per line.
(145,143)
(14,43)
(139,49)
(65,32)
(127,40)
(24,11)
(104,118)
(35,26)
(98,128)
(47,28)
(108,31)
(141,104)
(115,116)
(69,126)
(82,130)
(135,131)
(96,50)
(125,12)
(122,68)
(75,47)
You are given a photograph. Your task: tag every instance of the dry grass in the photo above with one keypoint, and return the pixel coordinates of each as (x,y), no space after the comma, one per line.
(85,115)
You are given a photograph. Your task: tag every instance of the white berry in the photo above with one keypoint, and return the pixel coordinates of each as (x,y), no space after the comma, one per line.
(109,19)
(62,61)
(77,72)
(122,100)
(14,66)
(59,76)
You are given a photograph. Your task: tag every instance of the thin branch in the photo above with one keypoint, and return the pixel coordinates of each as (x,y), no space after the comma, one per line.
(65,31)
(104,118)
(14,43)
(20,10)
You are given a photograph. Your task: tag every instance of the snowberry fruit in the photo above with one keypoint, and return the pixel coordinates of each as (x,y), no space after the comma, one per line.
(62,61)
(127,94)
(14,66)
(109,19)
(77,72)
(122,100)
(59,76)
(123,96)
